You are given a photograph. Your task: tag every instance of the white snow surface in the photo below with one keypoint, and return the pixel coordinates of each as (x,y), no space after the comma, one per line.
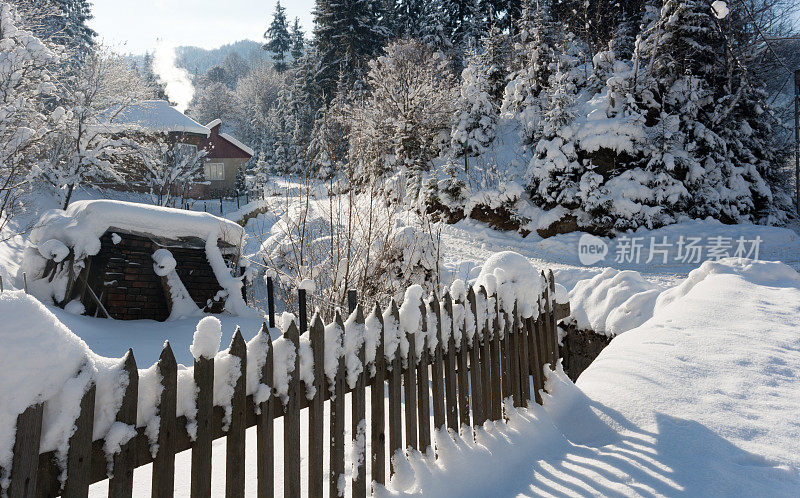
(516,279)
(150,116)
(207,338)
(700,400)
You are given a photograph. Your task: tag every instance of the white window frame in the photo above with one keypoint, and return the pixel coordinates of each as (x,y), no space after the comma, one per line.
(214,171)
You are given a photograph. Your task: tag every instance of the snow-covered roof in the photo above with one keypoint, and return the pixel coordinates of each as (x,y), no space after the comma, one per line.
(237,143)
(84,222)
(214,123)
(155,116)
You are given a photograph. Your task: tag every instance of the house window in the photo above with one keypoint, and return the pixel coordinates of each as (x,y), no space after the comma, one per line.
(215,171)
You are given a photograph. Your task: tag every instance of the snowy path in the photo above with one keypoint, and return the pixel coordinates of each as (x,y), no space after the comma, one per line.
(702,400)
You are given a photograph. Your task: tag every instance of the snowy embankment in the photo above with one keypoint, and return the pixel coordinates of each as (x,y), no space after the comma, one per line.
(700,400)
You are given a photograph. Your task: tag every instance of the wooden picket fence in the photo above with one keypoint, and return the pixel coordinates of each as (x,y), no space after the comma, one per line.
(462,385)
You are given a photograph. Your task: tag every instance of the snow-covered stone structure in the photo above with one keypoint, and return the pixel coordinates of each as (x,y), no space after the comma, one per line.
(129,261)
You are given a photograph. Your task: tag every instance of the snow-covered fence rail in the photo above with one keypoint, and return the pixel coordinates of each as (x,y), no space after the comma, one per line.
(459,359)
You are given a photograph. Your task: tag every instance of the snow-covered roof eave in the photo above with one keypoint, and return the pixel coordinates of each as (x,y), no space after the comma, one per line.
(149,116)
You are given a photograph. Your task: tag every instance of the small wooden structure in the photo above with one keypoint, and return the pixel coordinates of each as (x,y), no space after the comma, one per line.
(121,276)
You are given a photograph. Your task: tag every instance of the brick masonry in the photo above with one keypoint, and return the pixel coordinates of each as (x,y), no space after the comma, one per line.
(122,276)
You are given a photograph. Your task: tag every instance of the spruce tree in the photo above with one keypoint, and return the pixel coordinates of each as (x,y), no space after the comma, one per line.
(478,111)
(298,42)
(279,41)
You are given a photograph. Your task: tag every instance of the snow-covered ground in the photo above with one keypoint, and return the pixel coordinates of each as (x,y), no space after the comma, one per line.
(701,400)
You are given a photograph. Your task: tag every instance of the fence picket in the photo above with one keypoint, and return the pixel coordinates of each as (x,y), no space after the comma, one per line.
(395,408)
(474,363)
(25,463)
(201,451)
(337,419)
(235,442)
(410,392)
(291,422)
(80,449)
(524,366)
(553,326)
(513,356)
(450,380)
(359,416)
(496,354)
(265,430)
(377,419)
(505,358)
(437,369)
(163,481)
(316,410)
(534,363)
(423,397)
(121,483)
(485,361)
(463,376)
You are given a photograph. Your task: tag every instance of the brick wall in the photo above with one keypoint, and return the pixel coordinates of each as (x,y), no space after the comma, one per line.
(122,276)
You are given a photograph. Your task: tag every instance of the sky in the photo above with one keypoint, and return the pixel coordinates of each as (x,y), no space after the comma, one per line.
(133,26)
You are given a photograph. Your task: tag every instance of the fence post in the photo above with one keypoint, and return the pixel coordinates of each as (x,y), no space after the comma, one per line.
(450,382)
(533,358)
(201,451)
(79,455)
(291,422)
(409,391)
(524,367)
(495,351)
(316,413)
(235,444)
(378,423)
(271,301)
(337,419)
(265,451)
(358,406)
(553,326)
(437,369)
(395,416)
(513,350)
(25,463)
(485,358)
(423,399)
(474,362)
(505,358)
(121,484)
(463,374)
(163,480)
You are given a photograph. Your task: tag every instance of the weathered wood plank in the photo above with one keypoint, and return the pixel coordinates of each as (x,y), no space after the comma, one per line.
(265,429)
(513,353)
(358,419)
(378,415)
(25,462)
(337,419)
(437,369)
(201,451)
(235,443)
(271,301)
(535,362)
(474,361)
(553,326)
(486,358)
(496,354)
(163,481)
(450,376)
(316,412)
(423,397)
(121,483)
(462,355)
(395,389)
(410,392)
(291,422)
(524,366)
(80,450)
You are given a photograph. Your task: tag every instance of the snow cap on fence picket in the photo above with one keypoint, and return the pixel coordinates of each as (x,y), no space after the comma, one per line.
(207,338)
(516,280)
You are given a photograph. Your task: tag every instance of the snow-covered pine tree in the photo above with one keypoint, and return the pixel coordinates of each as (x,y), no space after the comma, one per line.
(525,97)
(63,23)
(279,41)
(555,170)
(298,42)
(475,128)
(690,99)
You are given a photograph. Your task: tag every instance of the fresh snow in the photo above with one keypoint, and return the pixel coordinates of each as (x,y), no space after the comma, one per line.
(207,338)
(150,116)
